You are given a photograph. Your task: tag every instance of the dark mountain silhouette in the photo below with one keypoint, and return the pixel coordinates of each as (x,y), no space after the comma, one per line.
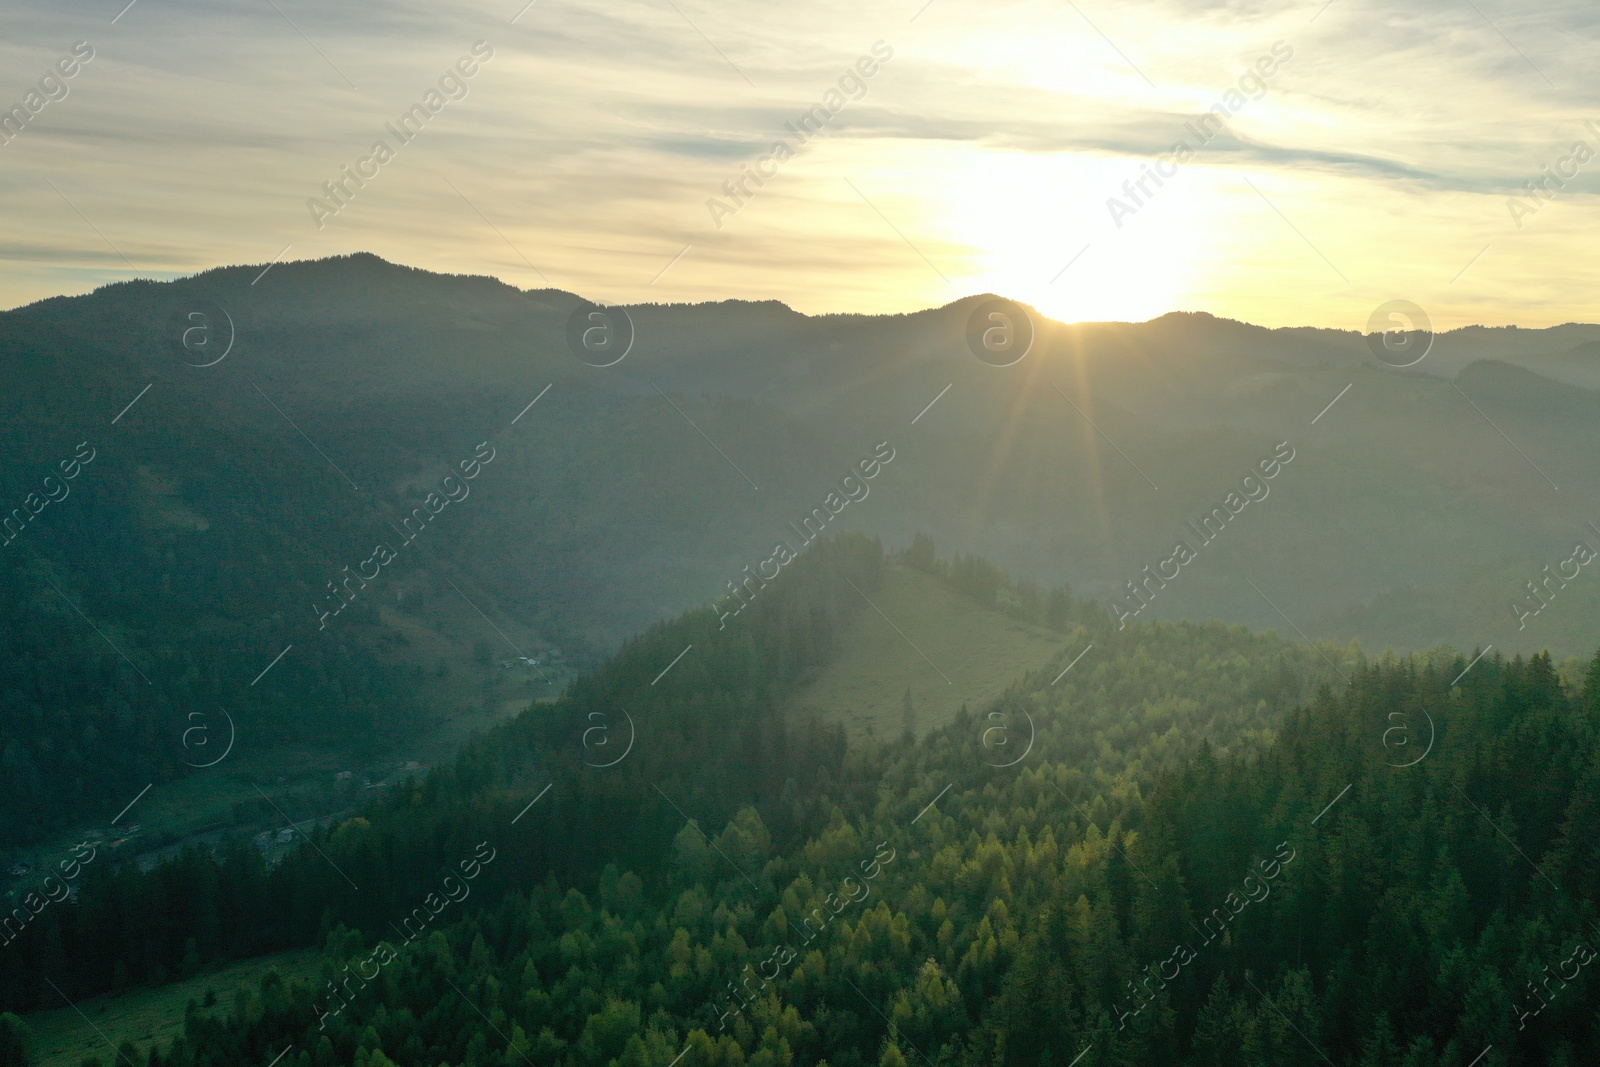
(202,539)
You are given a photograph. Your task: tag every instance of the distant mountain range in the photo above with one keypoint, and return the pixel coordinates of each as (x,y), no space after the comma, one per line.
(257,435)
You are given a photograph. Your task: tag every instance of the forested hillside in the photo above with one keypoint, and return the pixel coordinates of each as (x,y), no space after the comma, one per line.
(1219,847)
(140,591)
(1309,901)
(254,469)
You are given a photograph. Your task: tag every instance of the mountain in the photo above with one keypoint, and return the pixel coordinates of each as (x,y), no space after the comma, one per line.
(1218,848)
(689,721)
(261,466)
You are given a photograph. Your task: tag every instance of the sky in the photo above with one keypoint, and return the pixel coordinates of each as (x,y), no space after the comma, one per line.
(995,147)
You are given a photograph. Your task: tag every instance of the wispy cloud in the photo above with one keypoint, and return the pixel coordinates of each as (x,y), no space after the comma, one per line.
(599,131)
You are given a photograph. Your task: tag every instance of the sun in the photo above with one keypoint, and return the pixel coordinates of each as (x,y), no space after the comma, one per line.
(1037,230)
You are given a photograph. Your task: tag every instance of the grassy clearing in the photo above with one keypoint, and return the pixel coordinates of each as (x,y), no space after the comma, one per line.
(148,1016)
(971,652)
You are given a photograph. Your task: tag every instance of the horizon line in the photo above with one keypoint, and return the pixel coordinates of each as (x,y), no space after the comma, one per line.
(177,277)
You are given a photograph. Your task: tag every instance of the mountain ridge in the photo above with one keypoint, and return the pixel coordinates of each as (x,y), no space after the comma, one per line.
(236,484)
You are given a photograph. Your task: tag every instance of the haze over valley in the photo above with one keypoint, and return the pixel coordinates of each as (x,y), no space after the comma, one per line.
(689,535)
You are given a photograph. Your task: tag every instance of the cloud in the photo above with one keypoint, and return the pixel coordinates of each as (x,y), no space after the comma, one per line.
(596,134)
